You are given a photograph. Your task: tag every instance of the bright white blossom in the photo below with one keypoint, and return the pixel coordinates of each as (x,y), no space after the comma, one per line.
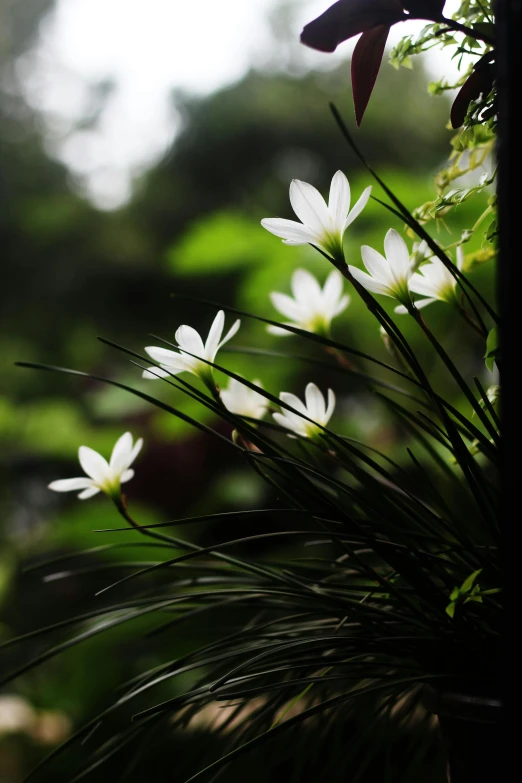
(187,339)
(102,476)
(312,307)
(316,408)
(242,401)
(321,224)
(388,276)
(435,281)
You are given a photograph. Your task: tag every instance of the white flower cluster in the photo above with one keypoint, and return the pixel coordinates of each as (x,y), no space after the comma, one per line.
(311,308)
(396,274)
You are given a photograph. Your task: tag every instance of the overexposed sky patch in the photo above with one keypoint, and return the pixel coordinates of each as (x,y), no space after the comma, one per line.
(113,64)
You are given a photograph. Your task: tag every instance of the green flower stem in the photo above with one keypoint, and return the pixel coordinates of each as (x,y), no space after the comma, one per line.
(120,502)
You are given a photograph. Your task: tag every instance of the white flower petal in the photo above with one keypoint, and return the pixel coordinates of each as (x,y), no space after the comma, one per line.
(397,254)
(400,310)
(460,258)
(230,334)
(189,340)
(376,264)
(332,290)
(424,302)
(126,476)
(420,285)
(235,395)
(70,485)
(330,407)
(305,288)
(287,306)
(358,207)
(244,401)
(121,454)
(339,200)
(164,356)
(419,254)
(135,451)
(343,304)
(88,493)
(93,464)
(369,282)
(214,336)
(315,403)
(309,206)
(284,422)
(293,402)
(290,231)
(278,331)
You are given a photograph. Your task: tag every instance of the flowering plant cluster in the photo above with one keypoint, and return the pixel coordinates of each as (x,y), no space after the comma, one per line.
(405,591)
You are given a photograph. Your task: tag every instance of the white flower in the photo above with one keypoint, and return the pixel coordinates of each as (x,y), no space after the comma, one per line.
(420,252)
(312,307)
(315,409)
(388,276)
(435,281)
(321,224)
(242,401)
(102,476)
(189,340)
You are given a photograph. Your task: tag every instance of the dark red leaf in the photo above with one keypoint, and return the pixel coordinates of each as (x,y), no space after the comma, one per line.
(366,61)
(480,81)
(347,18)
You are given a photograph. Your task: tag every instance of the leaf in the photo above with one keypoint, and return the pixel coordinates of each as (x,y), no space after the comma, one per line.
(491,349)
(458,593)
(467,584)
(492,230)
(366,61)
(347,18)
